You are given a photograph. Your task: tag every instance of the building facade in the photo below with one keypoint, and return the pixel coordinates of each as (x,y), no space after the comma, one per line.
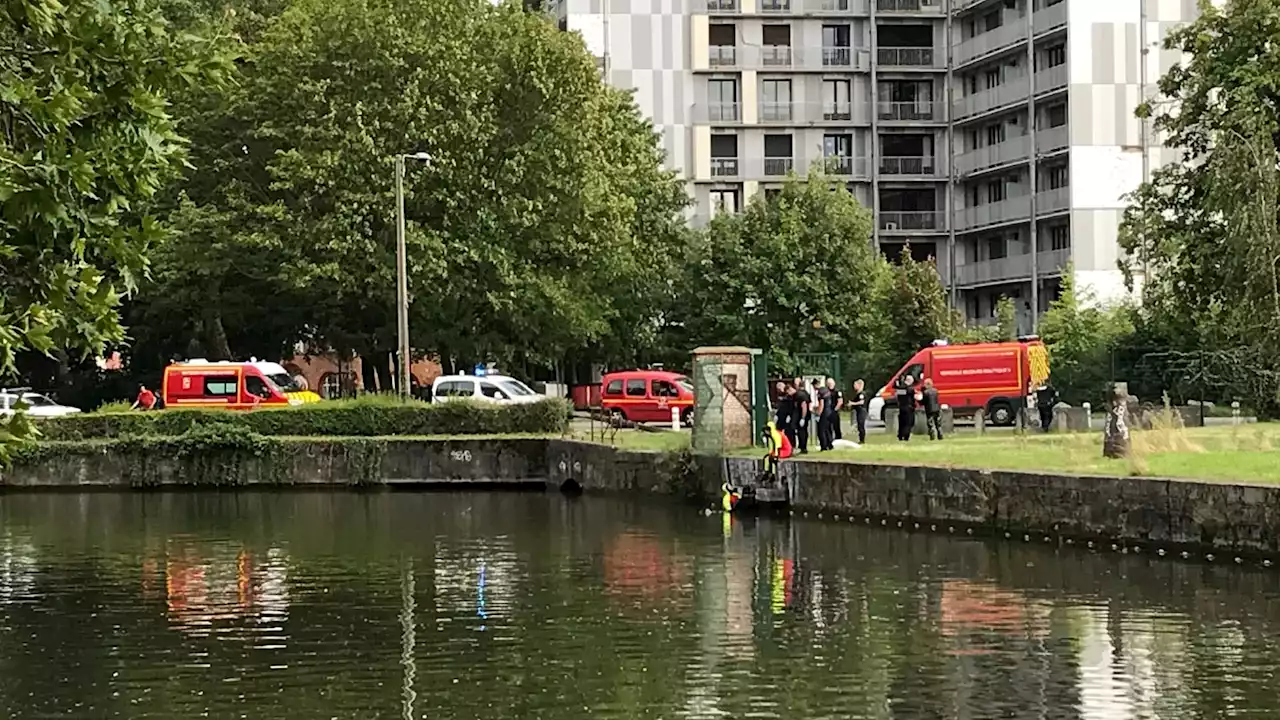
(975,130)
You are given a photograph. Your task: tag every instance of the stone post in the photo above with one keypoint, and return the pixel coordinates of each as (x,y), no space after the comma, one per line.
(980,420)
(1115,439)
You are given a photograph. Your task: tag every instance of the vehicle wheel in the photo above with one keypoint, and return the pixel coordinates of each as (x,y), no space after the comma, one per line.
(1001,413)
(686,418)
(617,417)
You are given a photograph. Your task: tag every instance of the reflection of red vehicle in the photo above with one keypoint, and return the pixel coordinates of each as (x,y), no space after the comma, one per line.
(647,395)
(639,566)
(980,606)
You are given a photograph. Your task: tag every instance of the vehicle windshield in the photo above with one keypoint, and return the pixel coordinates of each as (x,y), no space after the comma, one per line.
(685,383)
(35,400)
(515,388)
(284,382)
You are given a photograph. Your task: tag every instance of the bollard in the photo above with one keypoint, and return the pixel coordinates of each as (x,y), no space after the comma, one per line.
(1088,416)
(980,420)
(1235,412)
(675,419)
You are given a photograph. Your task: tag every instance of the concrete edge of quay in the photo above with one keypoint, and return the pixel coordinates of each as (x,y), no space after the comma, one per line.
(1223,522)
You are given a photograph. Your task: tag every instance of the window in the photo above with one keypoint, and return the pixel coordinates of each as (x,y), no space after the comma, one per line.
(776,98)
(220,385)
(722,96)
(36,401)
(662,388)
(991,78)
(613,388)
(490,390)
(915,371)
(997,248)
(1055,56)
(336,385)
(835,100)
(725,201)
(837,145)
(257,386)
(1060,237)
(1057,177)
(1056,115)
(456,388)
(995,134)
(835,46)
(995,191)
(992,20)
(635,388)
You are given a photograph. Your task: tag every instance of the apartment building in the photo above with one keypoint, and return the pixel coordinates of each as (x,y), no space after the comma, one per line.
(974,129)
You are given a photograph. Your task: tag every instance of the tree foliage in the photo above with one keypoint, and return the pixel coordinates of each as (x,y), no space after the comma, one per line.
(916,305)
(532,231)
(1205,229)
(86,139)
(792,273)
(1081,338)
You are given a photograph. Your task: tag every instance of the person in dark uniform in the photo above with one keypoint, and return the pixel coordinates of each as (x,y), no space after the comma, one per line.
(784,410)
(801,413)
(906,397)
(830,415)
(1046,398)
(932,410)
(858,401)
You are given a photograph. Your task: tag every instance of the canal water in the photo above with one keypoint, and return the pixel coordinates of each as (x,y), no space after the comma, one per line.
(337,605)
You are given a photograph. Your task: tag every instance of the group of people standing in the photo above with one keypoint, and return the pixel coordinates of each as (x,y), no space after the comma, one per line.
(799,407)
(908,396)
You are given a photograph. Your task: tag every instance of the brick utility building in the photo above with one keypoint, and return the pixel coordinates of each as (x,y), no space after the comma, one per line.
(969,127)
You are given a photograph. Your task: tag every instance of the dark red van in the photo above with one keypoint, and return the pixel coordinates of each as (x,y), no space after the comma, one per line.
(647,395)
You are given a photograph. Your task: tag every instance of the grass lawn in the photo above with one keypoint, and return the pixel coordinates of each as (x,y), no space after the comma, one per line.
(1225,453)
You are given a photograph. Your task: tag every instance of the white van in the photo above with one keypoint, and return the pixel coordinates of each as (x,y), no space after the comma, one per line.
(490,388)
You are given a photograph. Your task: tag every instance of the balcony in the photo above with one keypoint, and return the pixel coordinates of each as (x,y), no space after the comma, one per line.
(915,221)
(718,112)
(724,167)
(717,6)
(1010,151)
(775,56)
(1050,140)
(837,57)
(1053,201)
(919,111)
(776,112)
(1012,32)
(1054,78)
(775,6)
(909,7)
(722,56)
(1013,90)
(836,112)
(1049,18)
(776,166)
(910,57)
(1011,210)
(1011,269)
(843,165)
(909,166)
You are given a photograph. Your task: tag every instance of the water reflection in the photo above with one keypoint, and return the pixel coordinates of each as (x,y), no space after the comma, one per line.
(498,606)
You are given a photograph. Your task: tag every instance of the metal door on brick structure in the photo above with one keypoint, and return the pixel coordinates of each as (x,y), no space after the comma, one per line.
(709,397)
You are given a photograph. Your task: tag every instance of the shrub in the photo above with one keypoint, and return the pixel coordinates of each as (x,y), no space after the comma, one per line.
(366,418)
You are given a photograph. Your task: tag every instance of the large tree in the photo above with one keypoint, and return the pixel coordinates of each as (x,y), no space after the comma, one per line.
(792,273)
(1206,230)
(86,139)
(531,231)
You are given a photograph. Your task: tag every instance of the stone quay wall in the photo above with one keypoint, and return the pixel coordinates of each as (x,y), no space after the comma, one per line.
(1164,515)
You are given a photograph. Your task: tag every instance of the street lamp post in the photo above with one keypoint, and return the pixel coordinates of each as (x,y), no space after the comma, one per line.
(404,359)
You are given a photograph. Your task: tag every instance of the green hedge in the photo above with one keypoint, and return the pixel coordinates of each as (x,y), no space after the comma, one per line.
(351,419)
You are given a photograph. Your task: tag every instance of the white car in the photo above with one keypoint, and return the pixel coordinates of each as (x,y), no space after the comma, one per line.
(487,388)
(38,406)
(875,409)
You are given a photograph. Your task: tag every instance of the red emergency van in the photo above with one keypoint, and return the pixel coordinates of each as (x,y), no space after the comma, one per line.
(995,377)
(647,395)
(231,385)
